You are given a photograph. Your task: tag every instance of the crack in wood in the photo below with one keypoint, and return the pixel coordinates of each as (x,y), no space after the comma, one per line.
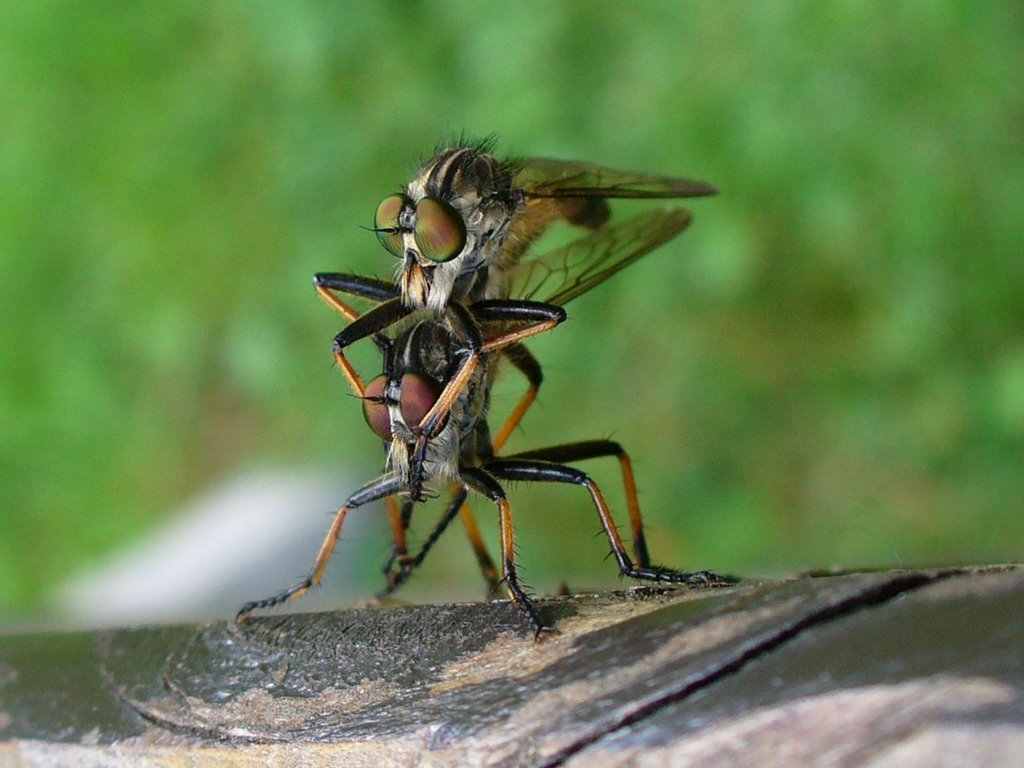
(873,596)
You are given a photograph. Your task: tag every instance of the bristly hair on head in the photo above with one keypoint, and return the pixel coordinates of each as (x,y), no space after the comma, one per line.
(484,145)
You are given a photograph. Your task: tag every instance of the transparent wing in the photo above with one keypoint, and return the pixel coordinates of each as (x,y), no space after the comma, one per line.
(564,273)
(542,177)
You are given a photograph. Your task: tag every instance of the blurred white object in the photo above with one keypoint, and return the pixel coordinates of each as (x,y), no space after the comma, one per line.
(245,540)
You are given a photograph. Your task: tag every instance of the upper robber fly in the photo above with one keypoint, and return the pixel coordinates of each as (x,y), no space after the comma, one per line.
(467,217)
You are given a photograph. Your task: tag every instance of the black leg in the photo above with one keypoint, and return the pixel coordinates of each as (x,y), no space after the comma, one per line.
(520,320)
(482,482)
(377,319)
(522,359)
(594,449)
(397,578)
(536,470)
(327,284)
(371,324)
(356,285)
(516,311)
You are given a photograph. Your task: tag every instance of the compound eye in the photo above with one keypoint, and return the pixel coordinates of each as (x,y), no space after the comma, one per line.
(419,393)
(375,410)
(385,223)
(440,231)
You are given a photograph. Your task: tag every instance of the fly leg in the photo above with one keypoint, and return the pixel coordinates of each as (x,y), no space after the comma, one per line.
(594,449)
(396,577)
(379,488)
(539,470)
(481,481)
(369,324)
(483,557)
(527,318)
(531,318)
(328,284)
(464,328)
(522,359)
(398,519)
(458,506)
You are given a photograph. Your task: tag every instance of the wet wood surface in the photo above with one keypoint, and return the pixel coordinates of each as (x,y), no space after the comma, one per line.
(889,668)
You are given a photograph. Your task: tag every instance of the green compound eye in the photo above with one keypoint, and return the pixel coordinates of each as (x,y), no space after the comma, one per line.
(385,222)
(440,231)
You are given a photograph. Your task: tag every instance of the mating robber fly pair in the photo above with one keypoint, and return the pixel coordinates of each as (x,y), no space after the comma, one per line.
(465,297)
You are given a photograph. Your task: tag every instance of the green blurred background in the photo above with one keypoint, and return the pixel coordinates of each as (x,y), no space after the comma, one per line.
(827,369)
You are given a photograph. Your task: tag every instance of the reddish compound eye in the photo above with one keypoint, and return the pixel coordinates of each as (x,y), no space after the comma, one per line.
(419,393)
(375,411)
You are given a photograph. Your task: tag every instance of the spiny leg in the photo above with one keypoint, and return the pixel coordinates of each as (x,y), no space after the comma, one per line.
(483,483)
(457,506)
(522,359)
(535,470)
(465,328)
(329,284)
(483,557)
(528,318)
(382,486)
(594,449)
(533,317)
(397,578)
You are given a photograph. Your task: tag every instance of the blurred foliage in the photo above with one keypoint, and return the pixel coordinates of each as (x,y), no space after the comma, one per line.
(828,368)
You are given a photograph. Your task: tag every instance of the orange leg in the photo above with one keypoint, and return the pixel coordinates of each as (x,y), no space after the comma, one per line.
(594,449)
(385,485)
(335,303)
(483,557)
(521,358)
(483,482)
(636,521)
(397,527)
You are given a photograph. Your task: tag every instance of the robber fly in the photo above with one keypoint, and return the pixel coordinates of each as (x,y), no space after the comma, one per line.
(460,230)
(426,356)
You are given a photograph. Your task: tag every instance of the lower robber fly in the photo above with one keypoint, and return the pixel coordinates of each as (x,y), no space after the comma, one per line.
(427,353)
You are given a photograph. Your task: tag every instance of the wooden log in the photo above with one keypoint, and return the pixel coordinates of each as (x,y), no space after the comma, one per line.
(891,668)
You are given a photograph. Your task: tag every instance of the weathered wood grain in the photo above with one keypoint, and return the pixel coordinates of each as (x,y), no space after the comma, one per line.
(891,668)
